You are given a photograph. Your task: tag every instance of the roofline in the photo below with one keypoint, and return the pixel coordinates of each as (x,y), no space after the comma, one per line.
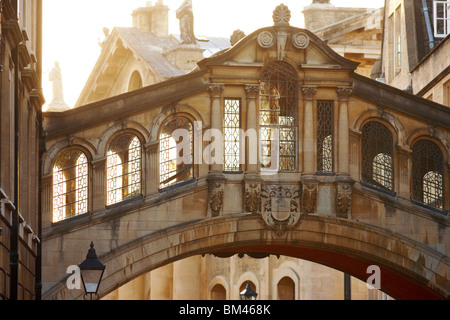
(387,96)
(221,57)
(113,109)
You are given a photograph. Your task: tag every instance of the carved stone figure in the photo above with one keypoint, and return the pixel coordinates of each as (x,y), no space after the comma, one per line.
(57,103)
(186,16)
(216,192)
(236,36)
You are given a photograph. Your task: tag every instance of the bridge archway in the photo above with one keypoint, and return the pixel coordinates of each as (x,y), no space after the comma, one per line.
(409,270)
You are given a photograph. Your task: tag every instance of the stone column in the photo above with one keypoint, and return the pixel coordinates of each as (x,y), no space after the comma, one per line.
(308,135)
(187,278)
(216,90)
(309,183)
(344,192)
(99,184)
(252,185)
(404,172)
(343,135)
(151,168)
(47,201)
(216,179)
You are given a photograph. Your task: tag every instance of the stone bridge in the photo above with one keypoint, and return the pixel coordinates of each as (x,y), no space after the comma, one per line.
(361,179)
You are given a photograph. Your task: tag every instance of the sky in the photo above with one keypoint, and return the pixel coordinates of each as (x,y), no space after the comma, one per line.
(73,29)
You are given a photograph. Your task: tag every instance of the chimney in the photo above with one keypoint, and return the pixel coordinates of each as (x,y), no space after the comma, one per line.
(154,19)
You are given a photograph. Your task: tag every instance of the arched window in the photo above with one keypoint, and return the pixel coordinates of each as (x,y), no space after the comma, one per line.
(278,117)
(70,185)
(135,81)
(325,134)
(377,155)
(428,174)
(123,168)
(286,289)
(176,152)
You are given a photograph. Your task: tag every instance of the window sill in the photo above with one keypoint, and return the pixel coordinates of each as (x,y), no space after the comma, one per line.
(125,201)
(176,186)
(378,189)
(433,209)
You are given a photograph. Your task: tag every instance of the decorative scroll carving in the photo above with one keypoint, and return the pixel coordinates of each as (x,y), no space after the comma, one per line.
(344,199)
(252,197)
(309,92)
(216,192)
(216,89)
(309,196)
(344,93)
(252,90)
(300,40)
(280,207)
(281,16)
(266,39)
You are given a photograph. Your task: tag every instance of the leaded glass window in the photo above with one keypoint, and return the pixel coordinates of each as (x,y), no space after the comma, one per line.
(278,117)
(325,128)
(70,185)
(176,152)
(428,174)
(231,127)
(377,155)
(123,168)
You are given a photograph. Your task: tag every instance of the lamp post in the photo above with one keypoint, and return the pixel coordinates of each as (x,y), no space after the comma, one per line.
(91,270)
(248,293)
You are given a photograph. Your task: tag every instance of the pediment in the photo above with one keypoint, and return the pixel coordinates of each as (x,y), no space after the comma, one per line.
(297,45)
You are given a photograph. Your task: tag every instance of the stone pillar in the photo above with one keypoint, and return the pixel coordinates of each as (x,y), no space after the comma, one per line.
(187,279)
(216,90)
(309,183)
(99,184)
(151,166)
(344,192)
(404,172)
(252,185)
(161,283)
(308,134)
(343,135)
(252,91)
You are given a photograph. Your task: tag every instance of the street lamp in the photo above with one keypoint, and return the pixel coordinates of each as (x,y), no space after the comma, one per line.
(91,273)
(248,293)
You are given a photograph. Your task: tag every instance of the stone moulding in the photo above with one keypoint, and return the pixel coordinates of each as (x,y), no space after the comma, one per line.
(252,197)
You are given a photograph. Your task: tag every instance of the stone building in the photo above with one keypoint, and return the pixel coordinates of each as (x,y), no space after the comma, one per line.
(342,134)
(416,48)
(21,101)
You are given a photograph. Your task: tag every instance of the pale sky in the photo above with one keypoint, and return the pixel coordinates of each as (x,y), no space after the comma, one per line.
(72,29)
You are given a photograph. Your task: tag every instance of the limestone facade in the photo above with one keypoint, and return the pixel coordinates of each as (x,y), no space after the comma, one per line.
(21,101)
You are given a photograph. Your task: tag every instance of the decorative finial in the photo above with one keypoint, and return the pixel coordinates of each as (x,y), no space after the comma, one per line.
(281,15)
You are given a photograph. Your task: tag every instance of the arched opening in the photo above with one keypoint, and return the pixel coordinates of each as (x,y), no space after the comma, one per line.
(135,81)
(218,292)
(286,289)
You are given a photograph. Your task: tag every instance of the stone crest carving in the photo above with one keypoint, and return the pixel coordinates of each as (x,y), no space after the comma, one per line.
(344,199)
(309,197)
(252,197)
(266,39)
(280,207)
(300,40)
(216,192)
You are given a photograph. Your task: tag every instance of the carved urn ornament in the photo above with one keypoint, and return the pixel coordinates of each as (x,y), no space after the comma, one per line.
(267,39)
